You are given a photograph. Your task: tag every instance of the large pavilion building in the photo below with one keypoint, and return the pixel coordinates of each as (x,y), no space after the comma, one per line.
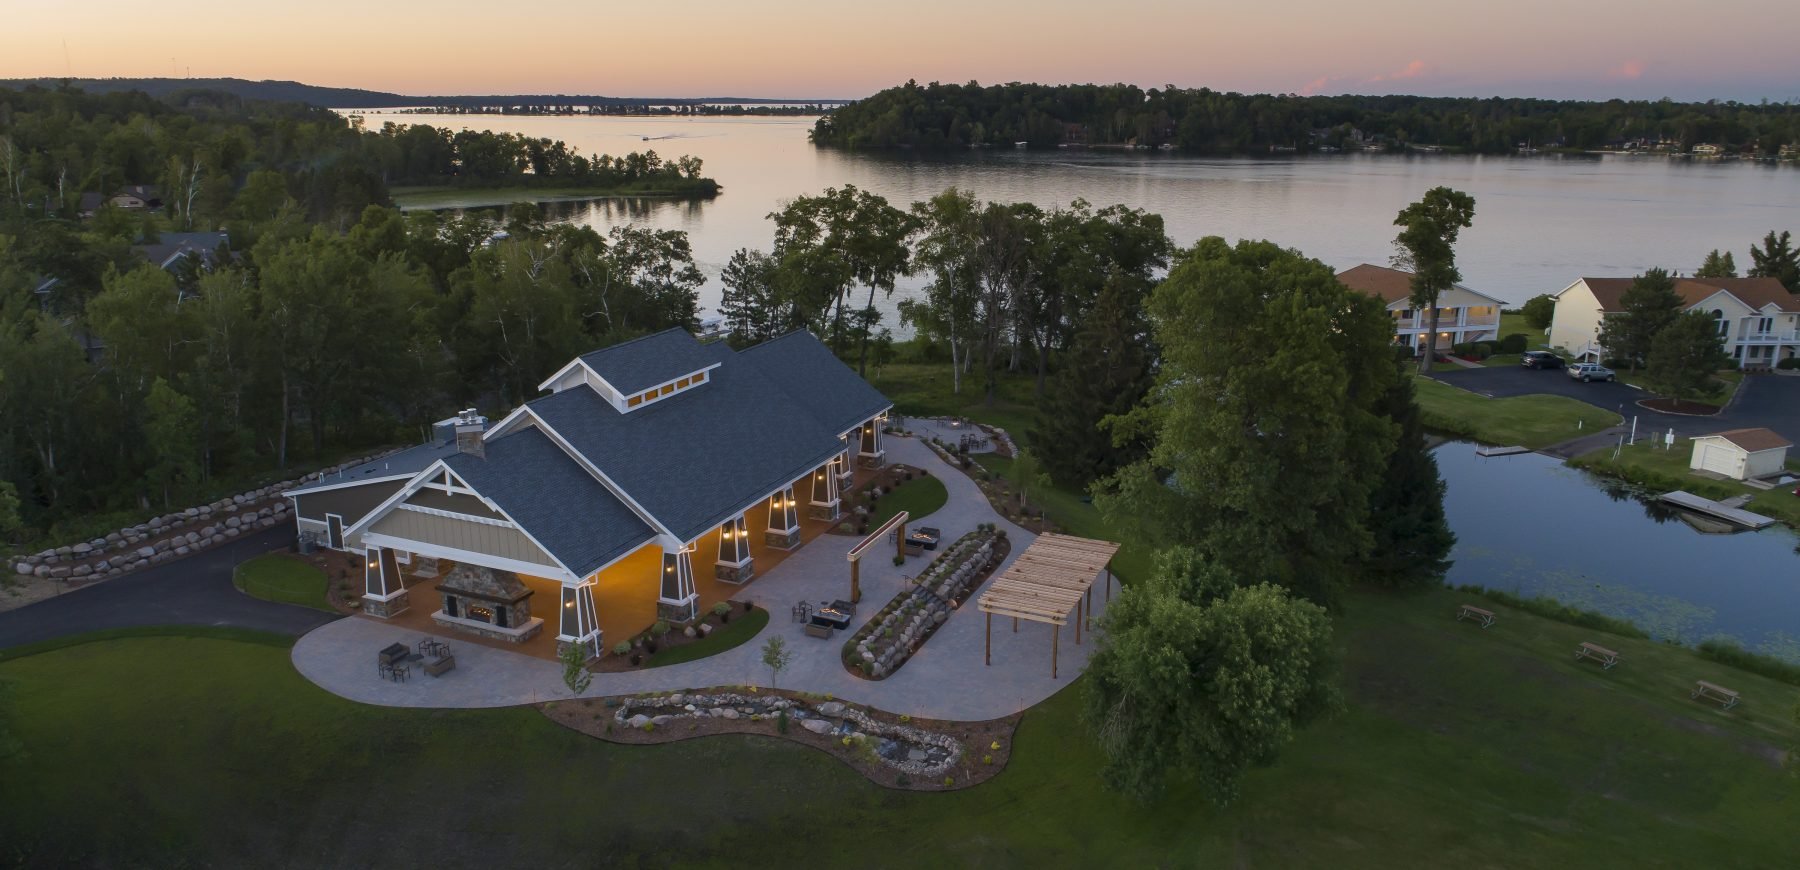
(645,463)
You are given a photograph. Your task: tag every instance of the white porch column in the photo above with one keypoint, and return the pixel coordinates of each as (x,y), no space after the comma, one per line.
(784,521)
(580,623)
(384,592)
(825,504)
(871,455)
(845,468)
(677,600)
(734,564)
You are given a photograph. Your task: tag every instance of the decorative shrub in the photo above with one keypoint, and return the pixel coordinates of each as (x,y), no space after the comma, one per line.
(721,608)
(660,628)
(781,722)
(1514,343)
(1789,364)
(637,659)
(650,646)
(622,647)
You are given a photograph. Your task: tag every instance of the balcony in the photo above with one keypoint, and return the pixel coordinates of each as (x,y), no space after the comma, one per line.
(1447,322)
(1789,337)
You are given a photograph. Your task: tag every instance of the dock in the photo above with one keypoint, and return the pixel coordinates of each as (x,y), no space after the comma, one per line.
(1485,450)
(1689,501)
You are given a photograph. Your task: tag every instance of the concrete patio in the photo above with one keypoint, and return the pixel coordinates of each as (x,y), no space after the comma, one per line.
(945,679)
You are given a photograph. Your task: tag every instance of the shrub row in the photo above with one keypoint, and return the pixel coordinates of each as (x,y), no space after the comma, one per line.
(1730,654)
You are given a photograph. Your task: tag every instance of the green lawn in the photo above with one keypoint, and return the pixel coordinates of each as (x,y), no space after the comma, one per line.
(1527,421)
(734,633)
(1726,383)
(1458,746)
(1515,323)
(919,497)
(927,390)
(276,577)
(1650,465)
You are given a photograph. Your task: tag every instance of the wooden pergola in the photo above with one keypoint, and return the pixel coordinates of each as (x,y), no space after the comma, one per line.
(1052,580)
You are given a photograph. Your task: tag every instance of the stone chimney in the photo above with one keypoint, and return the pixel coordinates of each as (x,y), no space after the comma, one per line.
(469,426)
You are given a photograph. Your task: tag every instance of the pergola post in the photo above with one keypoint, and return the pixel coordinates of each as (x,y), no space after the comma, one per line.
(1089,598)
(1015,625)
(855,581)
(1078,623)
(1055,645)
(987,652)
(900,541)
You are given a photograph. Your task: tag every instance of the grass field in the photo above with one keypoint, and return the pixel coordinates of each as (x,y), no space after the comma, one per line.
(1458,746)
(1649,465)
(927,390)
(1527,421)
(735,633)
(276,577)
(919,497)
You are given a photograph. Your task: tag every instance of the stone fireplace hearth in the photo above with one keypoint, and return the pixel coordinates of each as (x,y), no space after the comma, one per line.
(487,602)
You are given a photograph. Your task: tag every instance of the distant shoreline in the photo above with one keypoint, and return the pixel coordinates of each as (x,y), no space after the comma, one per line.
(437,197)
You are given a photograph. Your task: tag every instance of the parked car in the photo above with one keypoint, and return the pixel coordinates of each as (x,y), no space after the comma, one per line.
(1540,359)
(1585,372)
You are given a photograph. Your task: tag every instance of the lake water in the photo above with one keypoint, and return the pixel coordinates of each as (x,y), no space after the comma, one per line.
(1530,525)
(1540,223)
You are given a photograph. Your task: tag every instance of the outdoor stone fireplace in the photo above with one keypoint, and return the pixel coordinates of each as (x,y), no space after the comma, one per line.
(487,602)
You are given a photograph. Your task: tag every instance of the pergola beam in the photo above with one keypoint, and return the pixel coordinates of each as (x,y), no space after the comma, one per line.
(1052,581)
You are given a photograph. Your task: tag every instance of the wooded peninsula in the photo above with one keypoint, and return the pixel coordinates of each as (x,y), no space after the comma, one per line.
(1200,120)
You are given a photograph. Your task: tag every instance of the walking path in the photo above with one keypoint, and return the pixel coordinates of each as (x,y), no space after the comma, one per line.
(196,590)
(945,679)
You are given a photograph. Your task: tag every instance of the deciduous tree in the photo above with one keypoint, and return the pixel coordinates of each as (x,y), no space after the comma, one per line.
(1539,311)
(1426,246)
(1650,304)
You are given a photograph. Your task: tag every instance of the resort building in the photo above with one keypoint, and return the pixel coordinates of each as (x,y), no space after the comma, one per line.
(1464,315)
(1759,320)
(653,477)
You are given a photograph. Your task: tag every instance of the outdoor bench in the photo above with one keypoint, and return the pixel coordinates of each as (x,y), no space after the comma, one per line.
(1470,611)
(1727,698)
(1607,658)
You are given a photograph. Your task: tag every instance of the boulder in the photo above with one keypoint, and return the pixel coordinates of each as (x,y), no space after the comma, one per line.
(81,571)
(59,573)
(81,549)
(208,531)
(660,721)
(726,713)
(816,726)
(831,708)
(41,571)
(233,522)
(183,550)
(638,721)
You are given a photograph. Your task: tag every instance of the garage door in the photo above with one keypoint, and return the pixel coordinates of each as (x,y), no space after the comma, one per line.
(1719,459)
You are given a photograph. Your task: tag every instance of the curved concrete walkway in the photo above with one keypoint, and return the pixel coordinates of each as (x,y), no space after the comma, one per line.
(944,680)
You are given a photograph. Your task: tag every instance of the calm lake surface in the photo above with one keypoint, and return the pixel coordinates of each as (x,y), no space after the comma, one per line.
(1529,525)
(1540,222)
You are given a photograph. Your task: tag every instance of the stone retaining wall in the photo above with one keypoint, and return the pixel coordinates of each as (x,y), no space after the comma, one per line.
(172,535)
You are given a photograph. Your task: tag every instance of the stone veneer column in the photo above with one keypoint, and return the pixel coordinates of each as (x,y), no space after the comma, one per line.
(580,620)
(825,504)
(734,564)
(784,521)
(676,603)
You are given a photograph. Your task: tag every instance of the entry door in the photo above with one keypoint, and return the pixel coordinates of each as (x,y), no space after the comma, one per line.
(334,531)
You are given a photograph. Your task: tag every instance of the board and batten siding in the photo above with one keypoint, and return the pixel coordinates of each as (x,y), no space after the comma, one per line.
(462,504)
(502,541)
(350,502)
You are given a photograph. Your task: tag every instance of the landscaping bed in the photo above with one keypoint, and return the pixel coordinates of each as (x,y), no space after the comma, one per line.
(884,495)
(885,643)
(895,751)
(663,638)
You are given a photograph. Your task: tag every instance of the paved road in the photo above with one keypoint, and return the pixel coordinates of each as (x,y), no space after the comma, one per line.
(1771,401)
(196,590)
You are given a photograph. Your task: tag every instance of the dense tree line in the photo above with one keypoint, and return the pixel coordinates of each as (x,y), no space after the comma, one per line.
(1208,121)
(325,321)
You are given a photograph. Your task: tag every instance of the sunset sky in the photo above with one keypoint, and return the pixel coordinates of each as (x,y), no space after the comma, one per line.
(1729,49)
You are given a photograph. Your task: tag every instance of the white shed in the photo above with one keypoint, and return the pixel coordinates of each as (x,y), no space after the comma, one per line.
(1740,454)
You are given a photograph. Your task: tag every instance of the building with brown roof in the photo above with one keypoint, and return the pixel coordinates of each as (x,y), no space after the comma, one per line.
(1759,320)
(1741,454)
(1464,315)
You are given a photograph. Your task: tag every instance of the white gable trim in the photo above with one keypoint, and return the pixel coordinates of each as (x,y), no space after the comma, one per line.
(426,548)
(1720,292)
(1579,282)
(309,490)
(424,479)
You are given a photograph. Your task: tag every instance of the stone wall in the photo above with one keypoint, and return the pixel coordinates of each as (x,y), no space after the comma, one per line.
(170,536)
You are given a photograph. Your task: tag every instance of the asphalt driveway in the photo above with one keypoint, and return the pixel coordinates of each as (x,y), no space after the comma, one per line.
(196,590)
(1769,401)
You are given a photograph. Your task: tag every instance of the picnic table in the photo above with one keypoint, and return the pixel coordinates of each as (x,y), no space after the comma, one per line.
(1607,658)
(1727,698)
(1470,611)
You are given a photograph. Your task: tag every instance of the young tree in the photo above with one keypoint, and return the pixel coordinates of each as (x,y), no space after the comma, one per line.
(1718,264)
(1650,304)
(1777,259)
(1426,246)
(575,673)
(776,657)
(1268,439)
(1106,372)
(1684,356)
(1004,265)
(1412,539)
(172,439)
(1196,679)
(1539,311)
(950,309)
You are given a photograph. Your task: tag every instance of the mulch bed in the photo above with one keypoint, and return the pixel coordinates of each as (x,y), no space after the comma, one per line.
(343,577)
(1675,406)
(981,761)
(612,664)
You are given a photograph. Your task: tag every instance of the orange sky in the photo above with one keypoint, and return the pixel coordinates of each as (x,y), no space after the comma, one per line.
(805,48)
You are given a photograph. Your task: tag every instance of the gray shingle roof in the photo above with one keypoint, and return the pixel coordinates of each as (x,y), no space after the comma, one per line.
(642,363)
(553,499)
(694,459)
(407,462)
(813,377)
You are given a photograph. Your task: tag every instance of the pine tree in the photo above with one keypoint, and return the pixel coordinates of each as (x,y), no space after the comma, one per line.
(1777,259)
(1684,357)
(1106,372)
(1718,264)
(1650,304)
(1412,540)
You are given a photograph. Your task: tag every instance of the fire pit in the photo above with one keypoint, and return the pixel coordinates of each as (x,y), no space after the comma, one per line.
(925,537)
(487,602)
